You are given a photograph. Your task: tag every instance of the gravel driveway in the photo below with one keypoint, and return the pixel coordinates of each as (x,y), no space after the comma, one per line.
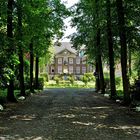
(68,114)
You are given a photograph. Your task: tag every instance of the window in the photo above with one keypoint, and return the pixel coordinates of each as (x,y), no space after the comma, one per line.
(77,70)
(59,69)
(77,60)
(70,69)
(59,60)
(83,60)
(83,69)
(70,60)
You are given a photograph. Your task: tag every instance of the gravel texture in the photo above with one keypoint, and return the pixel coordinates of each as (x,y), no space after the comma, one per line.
(68,114)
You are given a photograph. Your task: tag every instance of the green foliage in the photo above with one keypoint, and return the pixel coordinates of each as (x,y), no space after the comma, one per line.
(44,76)
(40,83)
(85,79)
(57,79)
(71,79)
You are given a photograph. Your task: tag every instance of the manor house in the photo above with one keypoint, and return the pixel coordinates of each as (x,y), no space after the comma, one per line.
(67,60)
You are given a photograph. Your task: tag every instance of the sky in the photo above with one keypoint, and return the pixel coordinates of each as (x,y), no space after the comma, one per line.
(69,29)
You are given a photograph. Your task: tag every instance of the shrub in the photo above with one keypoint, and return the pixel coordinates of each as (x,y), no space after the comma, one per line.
(40,83)
(44,76)
(85,79)
(90,76)
(57,79)
(71,79)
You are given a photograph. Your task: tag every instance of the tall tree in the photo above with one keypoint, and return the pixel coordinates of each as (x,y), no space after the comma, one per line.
(110,50)
(11,50)
(20,48)
(122,32)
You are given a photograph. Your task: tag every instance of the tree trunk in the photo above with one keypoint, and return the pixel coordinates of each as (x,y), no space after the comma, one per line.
(20,51)
(36,72)
(122,32)
(99,59)
(97,77)
(31,66)
(111,52)
(10,93)
(98,50)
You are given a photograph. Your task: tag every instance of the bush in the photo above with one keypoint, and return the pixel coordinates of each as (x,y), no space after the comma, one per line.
(90,76)
(85,79)
(40,83)
(44,76)
(57,79)
(71,79)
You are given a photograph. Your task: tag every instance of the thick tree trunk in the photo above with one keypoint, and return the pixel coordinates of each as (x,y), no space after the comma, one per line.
(20,51)
(36,72)
(111,52)
(122,32)
(10,93)
(98,50)
(99,59)
(31,66)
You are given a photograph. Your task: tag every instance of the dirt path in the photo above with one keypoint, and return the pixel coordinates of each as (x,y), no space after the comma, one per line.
(68,114)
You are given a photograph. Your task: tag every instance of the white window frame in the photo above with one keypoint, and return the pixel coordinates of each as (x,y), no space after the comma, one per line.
(70,69)
(78,70)
(59,60)
(83,60)
(84,69)
(78,60)
(60,69)
(70,60)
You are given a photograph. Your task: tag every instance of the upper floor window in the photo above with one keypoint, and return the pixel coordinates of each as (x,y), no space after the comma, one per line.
(83,60)
(77,60)
(70,60)
(59,60)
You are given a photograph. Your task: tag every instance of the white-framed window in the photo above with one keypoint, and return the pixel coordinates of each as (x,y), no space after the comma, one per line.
(59,60)
(77,70)
(59,69)
(83,69)
(77,60)
(70,69)
(83,60)
(70,60)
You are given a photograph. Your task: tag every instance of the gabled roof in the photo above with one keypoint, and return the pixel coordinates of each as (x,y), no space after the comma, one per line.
(64,46)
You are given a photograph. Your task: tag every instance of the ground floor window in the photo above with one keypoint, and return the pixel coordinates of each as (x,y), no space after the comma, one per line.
(59,69)
(70,69)
(78,70)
